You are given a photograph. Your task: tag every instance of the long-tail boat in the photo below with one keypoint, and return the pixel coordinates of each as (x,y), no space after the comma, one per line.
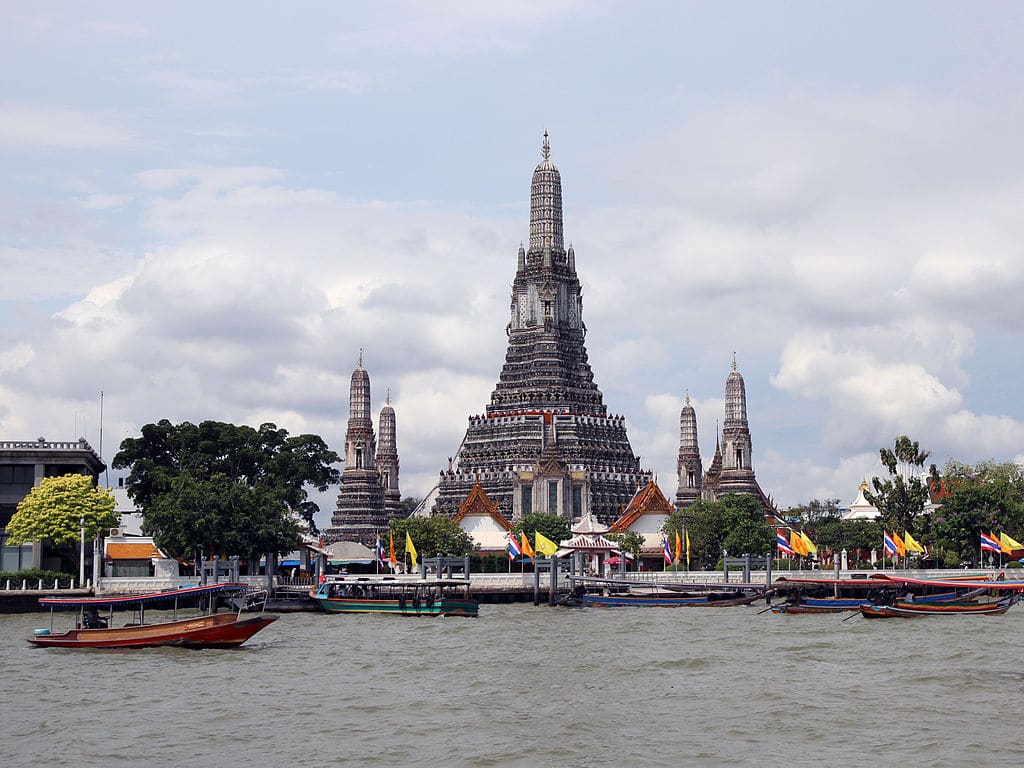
(714,599)
(399,597)
(841,595)
(614,592)
(208,630)
(904,610)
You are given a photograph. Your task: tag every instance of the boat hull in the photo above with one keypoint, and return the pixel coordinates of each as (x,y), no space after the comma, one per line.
(226,630)
(667,601)
(445,606)
(914,610)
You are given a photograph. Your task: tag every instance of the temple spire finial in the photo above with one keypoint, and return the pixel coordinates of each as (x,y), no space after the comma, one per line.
(545,150)
(687,395)
(734,360)
(387,398)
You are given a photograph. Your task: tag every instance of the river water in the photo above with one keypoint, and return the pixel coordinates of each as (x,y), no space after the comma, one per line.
(530,686)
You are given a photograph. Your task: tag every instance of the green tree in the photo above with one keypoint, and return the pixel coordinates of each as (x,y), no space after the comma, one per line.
(813,510)
(55,509)
(986,496)
(901,498)
(555,527)
(629,542)
(225,489)
(434,536)
(745,526)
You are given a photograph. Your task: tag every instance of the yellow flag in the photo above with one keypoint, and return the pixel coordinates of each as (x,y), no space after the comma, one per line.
(910,543)
(679,547)
(544,545)
(811,549)
(798,544)
(410,548)
(527,549)
(1007,544)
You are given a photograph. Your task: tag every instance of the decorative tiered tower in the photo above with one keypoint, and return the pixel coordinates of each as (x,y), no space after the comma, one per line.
(688,465)
(546,442)
(387,460)
(362,510)
(737,467)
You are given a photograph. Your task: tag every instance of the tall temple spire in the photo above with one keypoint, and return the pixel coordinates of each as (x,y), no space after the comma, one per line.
(689,468)
(737,467)
(547,443)
(387,460)
(360,508)
(546,204)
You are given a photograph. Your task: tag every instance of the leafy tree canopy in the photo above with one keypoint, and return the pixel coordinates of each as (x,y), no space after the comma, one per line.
(986,496)
(813,510)
(901,497)
(55,508)
(628,541)
(555,527)
(434,536)
(223,488)
(735,522)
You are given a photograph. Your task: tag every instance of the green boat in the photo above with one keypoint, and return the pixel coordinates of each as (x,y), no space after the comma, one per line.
(387,594)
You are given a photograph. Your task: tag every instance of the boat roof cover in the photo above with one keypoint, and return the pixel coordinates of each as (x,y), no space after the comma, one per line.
(151,597)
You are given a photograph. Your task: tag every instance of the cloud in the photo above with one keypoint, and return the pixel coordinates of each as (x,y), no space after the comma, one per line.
(26,126)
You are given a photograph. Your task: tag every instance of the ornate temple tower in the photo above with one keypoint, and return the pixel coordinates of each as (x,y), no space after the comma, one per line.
(688,465)
(360,510)
(546,442)
(737,467)
(387,461)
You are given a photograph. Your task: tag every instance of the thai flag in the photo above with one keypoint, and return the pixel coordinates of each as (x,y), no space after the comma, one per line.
(667,551)
(513,548)
(889,544)
(989,543)
(783,544)
(380,551)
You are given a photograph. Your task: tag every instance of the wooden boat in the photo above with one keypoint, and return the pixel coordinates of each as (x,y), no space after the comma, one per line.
(209,630)
(913,610)
(420,597)
(713,599)
(842,595)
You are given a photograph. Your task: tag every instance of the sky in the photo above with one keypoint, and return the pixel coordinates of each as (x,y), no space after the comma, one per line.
(208,210)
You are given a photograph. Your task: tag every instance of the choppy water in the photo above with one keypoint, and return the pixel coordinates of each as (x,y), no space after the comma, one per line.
(525,686)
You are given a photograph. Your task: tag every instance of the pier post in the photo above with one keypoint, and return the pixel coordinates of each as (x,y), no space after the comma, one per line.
(536,583)
(553,588)
(746,567)
(768,579)
(725,566)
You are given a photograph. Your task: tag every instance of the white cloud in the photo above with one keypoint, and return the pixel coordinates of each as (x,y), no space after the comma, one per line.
(33,126)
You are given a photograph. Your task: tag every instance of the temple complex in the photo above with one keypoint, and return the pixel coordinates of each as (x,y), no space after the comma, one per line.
(546,442)
(369,497)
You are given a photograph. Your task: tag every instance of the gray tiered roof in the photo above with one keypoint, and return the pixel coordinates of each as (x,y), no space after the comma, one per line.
(546,416)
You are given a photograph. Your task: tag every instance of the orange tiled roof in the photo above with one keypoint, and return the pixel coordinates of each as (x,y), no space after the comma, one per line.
(649,501)
(136,550)
(477,503)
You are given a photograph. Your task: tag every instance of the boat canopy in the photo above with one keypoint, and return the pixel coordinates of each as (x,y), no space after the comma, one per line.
(173,594)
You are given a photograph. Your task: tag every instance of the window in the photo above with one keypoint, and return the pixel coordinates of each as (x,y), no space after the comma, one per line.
(577,501)
(527,499)
(552,497)
(359,458)
(17,474)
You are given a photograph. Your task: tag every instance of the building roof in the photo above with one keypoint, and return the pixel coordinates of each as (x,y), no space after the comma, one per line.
(648,501)
(132,550)
(478,504)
